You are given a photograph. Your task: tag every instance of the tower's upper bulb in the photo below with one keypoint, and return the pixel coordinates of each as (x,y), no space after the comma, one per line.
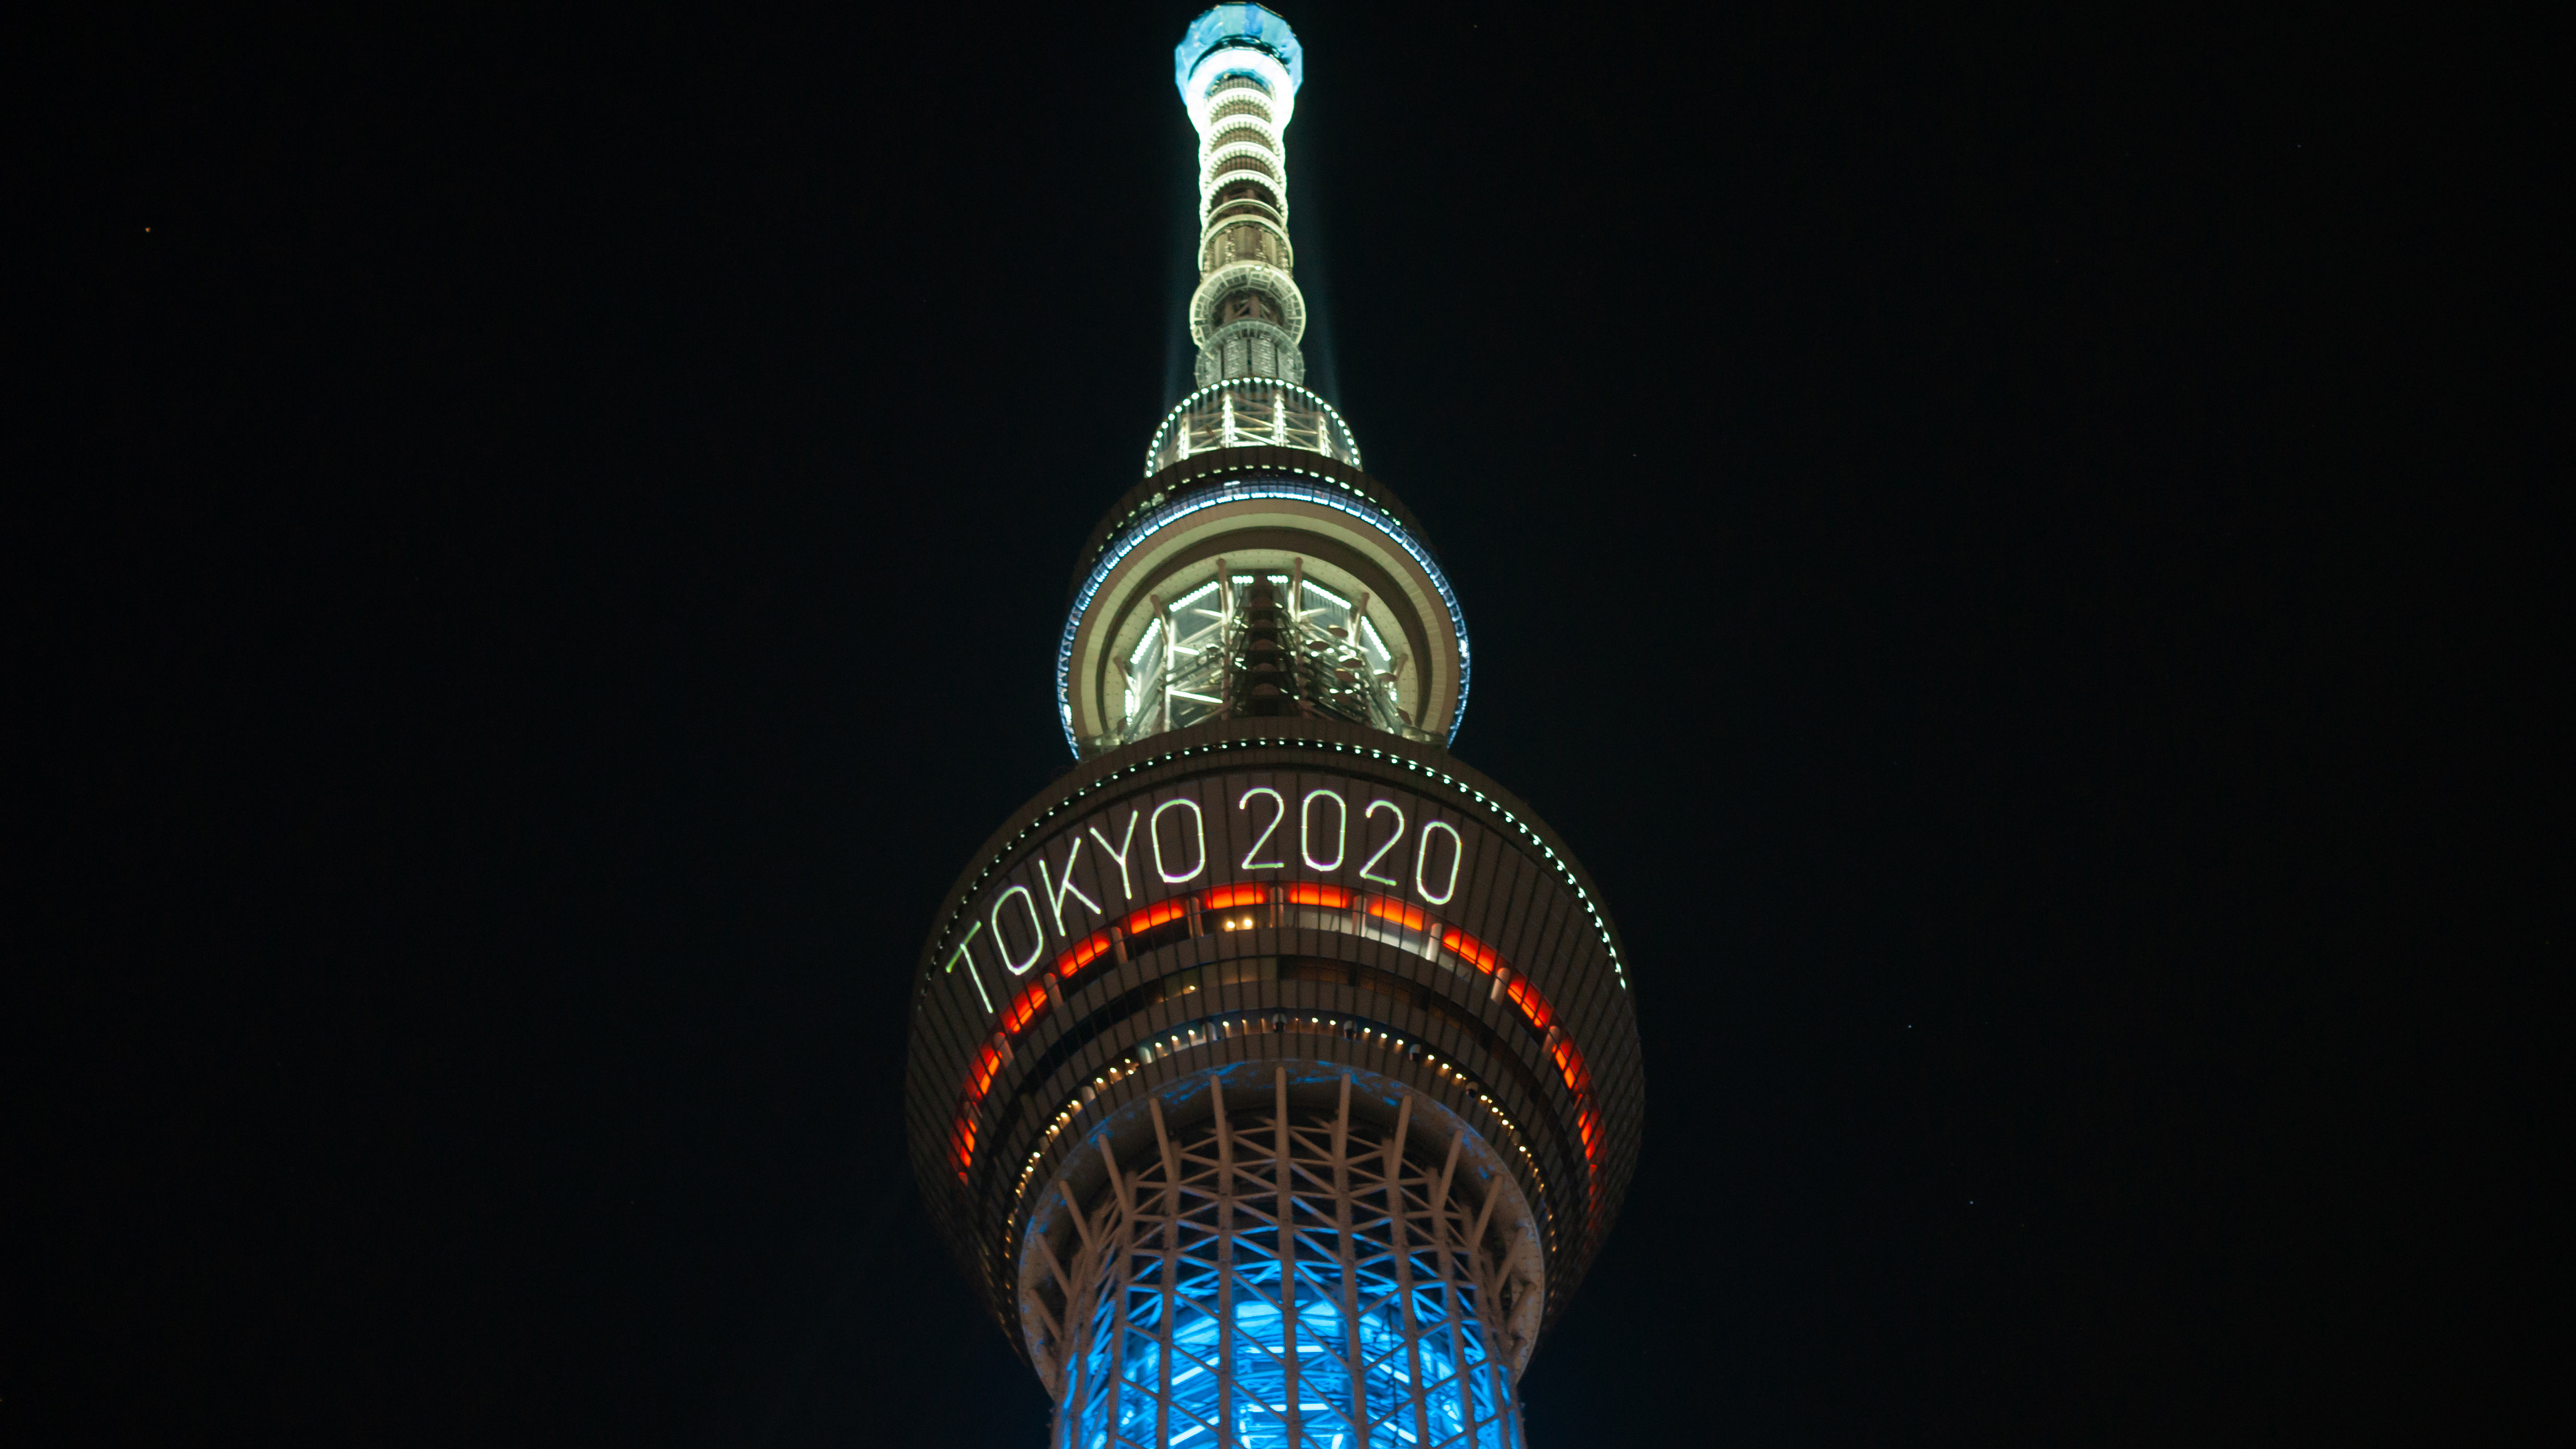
(1238,69)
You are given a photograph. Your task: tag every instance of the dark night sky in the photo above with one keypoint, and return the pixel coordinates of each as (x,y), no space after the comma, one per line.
(567,568)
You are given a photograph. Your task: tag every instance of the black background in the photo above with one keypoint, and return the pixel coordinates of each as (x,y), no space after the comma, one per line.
(562,526)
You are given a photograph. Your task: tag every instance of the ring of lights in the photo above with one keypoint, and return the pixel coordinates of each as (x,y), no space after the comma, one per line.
(1274,201)
(1258,147)
(1262,75)
(1287,248)
(1245,128)
(1248,348)
(1234,159)
(1207,470)
(1253,277)
(1242,158)
(1346,451)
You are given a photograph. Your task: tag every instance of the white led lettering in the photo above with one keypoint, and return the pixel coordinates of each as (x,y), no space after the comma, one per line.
(1369,870)
(1057,893)
(1422,858)
(1306,829)
(1278,812)
(1126,888)
(1037,930)
(1198,840)
(969,958)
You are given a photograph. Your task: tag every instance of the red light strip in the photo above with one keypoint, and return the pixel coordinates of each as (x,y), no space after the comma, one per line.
(1080,954)
(1034,999)
(1468,948)
(1533,1005)
(1386,908)
(1159,914)
(1025,1007)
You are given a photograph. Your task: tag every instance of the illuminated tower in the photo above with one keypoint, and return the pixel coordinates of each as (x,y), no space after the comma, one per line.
(1274,1074)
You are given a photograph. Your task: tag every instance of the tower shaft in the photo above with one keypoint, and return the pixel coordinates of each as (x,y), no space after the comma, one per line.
(1274,1075)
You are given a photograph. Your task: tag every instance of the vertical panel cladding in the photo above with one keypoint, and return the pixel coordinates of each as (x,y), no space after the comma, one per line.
(1492,868)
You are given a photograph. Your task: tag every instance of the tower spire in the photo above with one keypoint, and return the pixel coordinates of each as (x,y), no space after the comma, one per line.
(1238,69)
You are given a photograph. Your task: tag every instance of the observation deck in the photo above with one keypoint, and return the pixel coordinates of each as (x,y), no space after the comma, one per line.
(1374,630)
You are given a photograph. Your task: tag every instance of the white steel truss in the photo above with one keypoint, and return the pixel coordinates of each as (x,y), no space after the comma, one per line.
(1278,1279)
(1182,669)
(1251,412)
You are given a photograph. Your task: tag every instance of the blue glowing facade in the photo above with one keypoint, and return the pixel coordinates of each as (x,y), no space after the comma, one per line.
(1363,1324)
(1235,28)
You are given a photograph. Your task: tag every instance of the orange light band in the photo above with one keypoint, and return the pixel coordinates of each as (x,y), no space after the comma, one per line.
(1386,909)
(1080,954)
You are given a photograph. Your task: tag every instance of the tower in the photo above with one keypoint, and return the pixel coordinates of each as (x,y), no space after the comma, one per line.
(1273,1074)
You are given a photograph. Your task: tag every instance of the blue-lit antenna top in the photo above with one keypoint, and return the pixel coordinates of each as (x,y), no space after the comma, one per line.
(1238,69)
(1239,28)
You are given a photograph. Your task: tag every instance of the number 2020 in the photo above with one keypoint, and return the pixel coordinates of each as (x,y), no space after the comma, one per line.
(1313,833)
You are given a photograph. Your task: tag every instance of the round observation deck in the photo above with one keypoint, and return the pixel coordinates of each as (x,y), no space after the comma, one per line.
(1359,577)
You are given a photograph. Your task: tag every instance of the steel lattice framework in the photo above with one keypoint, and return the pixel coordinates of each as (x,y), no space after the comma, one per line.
(1284,1279)
(1186,669)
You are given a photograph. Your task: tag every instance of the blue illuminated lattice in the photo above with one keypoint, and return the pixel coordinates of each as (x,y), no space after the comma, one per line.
(1185,1337)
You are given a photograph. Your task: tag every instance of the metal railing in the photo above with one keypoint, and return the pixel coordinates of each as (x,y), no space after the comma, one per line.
(1250,412)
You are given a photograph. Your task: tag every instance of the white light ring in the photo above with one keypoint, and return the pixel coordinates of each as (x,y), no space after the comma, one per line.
(1336,442)
(1209,186)
(1163,434)
(1250,490)
(1233,108)
(1255,276)
(1210,232)
(1287,360)
(1212,188)
(1232,82)
(1237,208)
(1283,89)
(1242,131)
(1259,148)
(1239,164)
(1261,158)
(1243,140)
